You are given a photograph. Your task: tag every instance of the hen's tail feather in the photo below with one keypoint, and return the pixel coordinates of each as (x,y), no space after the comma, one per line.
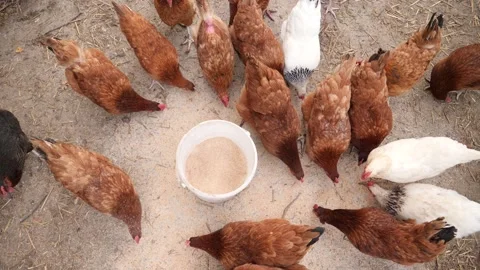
(446,234)
(320,231)
(431,23)
(36,142)
(121,10)
(377,55)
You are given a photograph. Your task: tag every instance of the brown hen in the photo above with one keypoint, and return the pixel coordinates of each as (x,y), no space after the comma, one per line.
(215,51)
(265,103)
(370,115)
(173,12)
(263,267)
(154,52)
(251,36)
(408,62)
(263,4)
(377,233)
(94,179)
(325,112)
(90,73)
(271,242)
(460,70)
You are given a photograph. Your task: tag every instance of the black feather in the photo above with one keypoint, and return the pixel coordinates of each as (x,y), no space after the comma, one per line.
(446,234)
(320,230)
(14,146)
(395,200)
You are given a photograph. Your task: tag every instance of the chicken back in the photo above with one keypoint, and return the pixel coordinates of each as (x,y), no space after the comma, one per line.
(370,114)
(265,103)
(94,179)
(460,70)
(90,73)
(14,146)
(251,36)
(377,233)
(263,267)
(271,242)
(215,51)
(408,62)
(325,112)
(155,53)
(173,12)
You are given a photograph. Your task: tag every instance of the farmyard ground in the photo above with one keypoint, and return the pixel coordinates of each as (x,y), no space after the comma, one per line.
(64,233)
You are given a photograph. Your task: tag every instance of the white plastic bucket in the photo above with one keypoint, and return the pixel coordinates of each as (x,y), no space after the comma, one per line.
(211,129)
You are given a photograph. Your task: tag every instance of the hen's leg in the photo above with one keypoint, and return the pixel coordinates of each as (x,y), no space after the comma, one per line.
(302,141)
(268,13)
(189,40)
(331,9)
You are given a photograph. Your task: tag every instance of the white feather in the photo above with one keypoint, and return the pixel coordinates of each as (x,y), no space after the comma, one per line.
(410,160)
(300,36)
(424,202)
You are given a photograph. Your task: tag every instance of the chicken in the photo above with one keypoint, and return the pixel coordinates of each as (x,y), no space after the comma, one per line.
(271,242)
(173,12)
(154,52)
(408,62)
(378,234)
(252,37)
(370,115)
(14,146)
(460,70)
(424,202)
(410,160)
(90,73)
(301,44)
(263,4)
(265,104)
(325,112)
(94,179)
(262,267)
(215,51)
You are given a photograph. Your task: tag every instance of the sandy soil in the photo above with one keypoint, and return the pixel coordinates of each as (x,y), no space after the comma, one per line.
(64,233)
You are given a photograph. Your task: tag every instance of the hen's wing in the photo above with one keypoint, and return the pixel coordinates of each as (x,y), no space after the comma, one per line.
(252,37)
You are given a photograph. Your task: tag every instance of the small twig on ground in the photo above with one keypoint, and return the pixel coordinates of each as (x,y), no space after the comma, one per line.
(73,20)
(208,227)
(289,205)
(46,199)
(35,209)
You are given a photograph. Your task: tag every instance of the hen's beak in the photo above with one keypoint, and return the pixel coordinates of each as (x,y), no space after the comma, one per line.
(137,239)
(366,175)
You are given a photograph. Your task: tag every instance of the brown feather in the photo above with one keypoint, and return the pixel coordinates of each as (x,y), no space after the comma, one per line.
(94,179)
(377,233)
(263,267)
(181,12)
(265,103)
(408,62)
(215,52)
(370,114)
(156,53)
(90,73)
(271,242)
(252,37)
(460,70)
(263,4)
(326,112)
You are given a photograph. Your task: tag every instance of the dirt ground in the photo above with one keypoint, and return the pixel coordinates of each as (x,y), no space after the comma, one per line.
(64,233)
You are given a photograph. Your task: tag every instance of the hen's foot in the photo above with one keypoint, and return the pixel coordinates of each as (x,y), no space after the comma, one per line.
(331,9)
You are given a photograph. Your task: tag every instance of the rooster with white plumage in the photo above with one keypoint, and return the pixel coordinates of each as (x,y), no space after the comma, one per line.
(301,44)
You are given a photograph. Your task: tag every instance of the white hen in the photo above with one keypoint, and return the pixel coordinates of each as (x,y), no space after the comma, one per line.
(301,44)
(410,160)
(424,202)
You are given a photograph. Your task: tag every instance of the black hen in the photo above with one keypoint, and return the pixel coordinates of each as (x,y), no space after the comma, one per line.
(14,146)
